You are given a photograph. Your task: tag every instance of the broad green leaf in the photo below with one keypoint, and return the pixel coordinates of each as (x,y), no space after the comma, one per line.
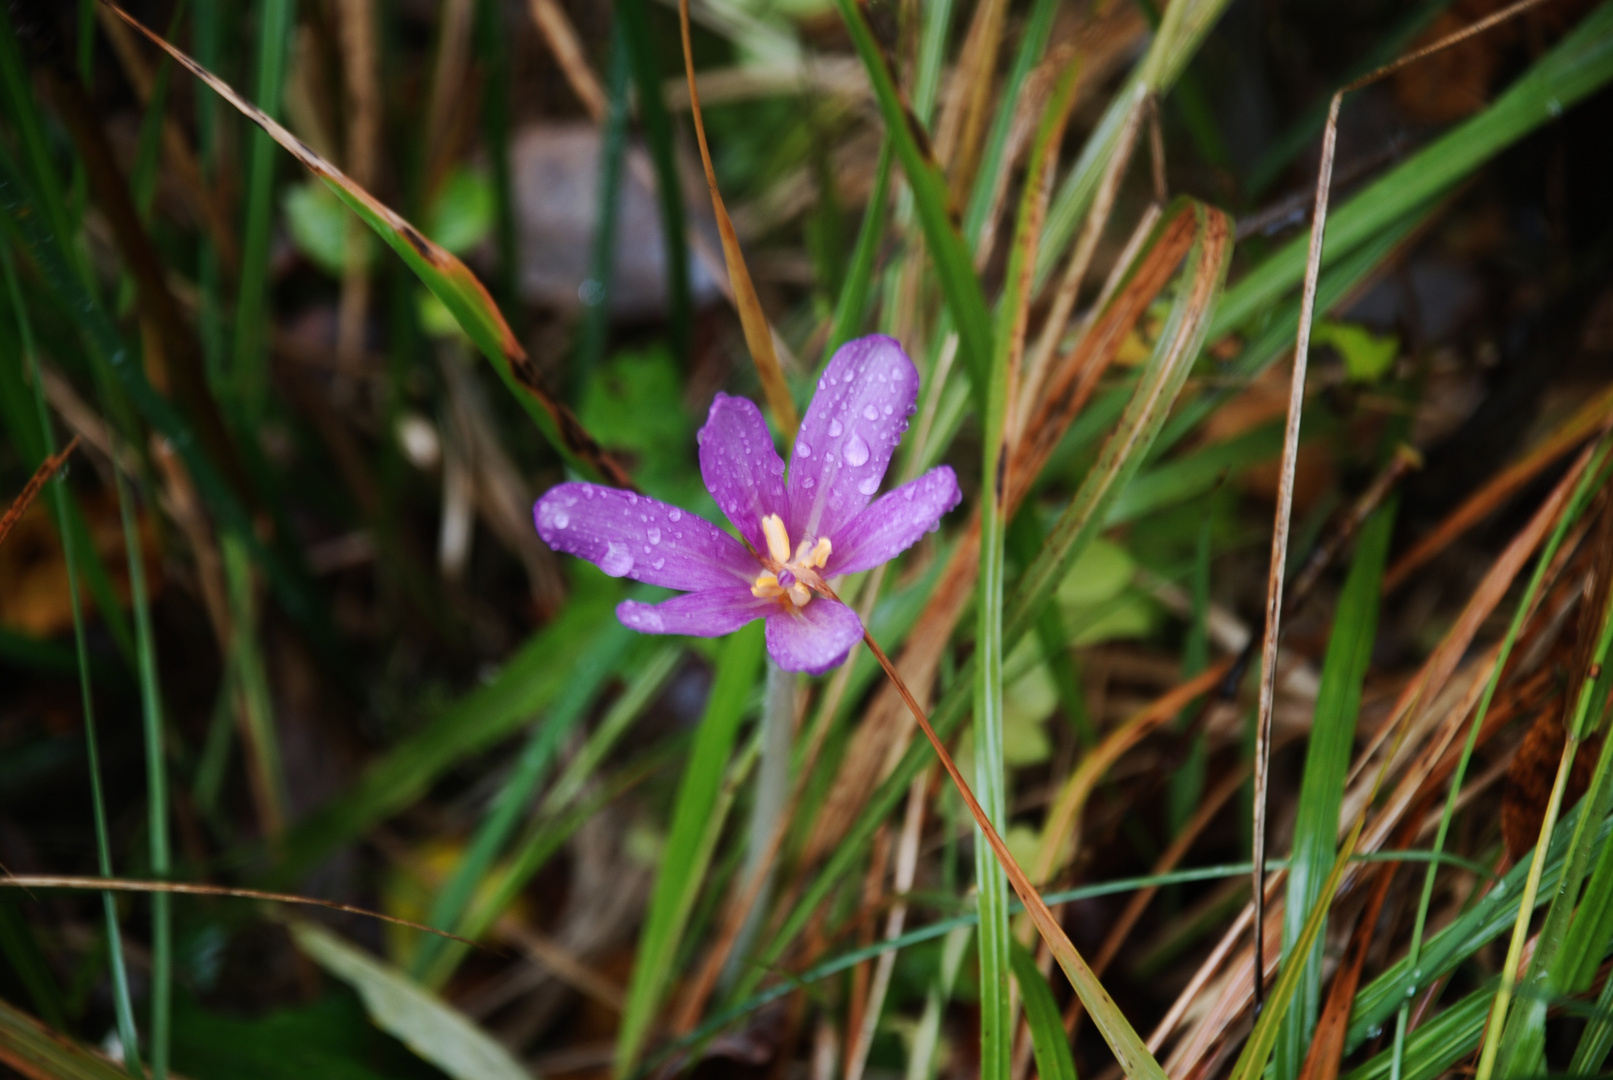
(1367,356)
(399,1006)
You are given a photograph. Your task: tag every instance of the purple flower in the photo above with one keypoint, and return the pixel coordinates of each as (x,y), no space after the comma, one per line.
(794,536)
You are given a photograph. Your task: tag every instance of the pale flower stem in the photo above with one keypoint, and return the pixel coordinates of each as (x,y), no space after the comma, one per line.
(772,796)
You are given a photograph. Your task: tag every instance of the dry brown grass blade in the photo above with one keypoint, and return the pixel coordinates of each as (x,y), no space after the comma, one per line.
(568,52)
(38,1051)
(1573,431)
(35,485)
(758,333)
(446,275)
(1424,687)
(182,888)
(985,38)
(361,74)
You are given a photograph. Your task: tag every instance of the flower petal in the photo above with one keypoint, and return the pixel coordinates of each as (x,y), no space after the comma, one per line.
(741,469)
(628,535)
(812,639)
(851,428)
(895,522)
(700,614)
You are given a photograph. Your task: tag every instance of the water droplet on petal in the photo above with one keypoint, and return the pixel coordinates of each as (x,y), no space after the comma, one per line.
(869,485)
(856,451)
(908,493)
(654,535)
(835,429)
(870,413)
(559,519)
(807,482)
(803,449)
(658,563)
(617,561)
(888,410)
(675,515)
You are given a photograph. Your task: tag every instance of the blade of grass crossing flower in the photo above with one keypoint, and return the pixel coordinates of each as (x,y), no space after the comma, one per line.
(687,851)
(954,267)
(656,122)
(123,1007)
(995,938)
(1520,1049)
(851,306)
(758,334)
(583,683)
(449,279)
(1328,756)
(250,377)
(1052,1047)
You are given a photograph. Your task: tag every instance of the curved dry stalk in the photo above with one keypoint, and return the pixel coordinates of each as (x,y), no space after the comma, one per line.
(1134,1058)
(183,888)
(758,334)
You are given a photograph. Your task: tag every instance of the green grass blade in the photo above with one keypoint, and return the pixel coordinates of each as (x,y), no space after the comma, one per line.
(250,377)
(1578,64)
(687,851)
(931,200)
(585,679)
(1327,763)
(1048,1041)
(48,1053)
(851,307)
(656,122)
(123,1006)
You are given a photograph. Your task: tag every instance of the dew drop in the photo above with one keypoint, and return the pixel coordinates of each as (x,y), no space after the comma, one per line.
(646,549)
(654,535)
(856,451)
(869,485)
(675,516)
(803,449)
(652,622)
(870,413)
(907,493)
(617,561)
(658,563)
(807,482)
(835,429)
(559,519)
(888,410)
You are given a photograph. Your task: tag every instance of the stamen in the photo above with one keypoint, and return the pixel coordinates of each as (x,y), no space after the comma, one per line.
(820,554)
(778,540)
(766,587)
(799,595)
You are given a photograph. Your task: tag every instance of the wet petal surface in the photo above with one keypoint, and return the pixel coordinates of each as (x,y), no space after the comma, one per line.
(812,639)
(628,535)
(852,427)
(740,467)
(703,614)
(895,522)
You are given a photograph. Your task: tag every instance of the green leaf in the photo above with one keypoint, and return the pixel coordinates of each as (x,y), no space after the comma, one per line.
(461,214)
(317,221)
(419,1019)
(1048,1041)
(1367,356)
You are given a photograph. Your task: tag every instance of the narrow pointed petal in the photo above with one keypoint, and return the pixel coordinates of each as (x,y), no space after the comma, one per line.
(701,614)
(895,522)
(856,418)
(812,639)
(741,469)
(628,535)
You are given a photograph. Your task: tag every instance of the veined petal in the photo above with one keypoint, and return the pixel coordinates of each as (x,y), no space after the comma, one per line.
(741,469)
(628,535)
(812,639)
(700,614)
(851,428)
(895,522)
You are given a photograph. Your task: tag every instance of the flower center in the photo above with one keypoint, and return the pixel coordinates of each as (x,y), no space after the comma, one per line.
(790,575)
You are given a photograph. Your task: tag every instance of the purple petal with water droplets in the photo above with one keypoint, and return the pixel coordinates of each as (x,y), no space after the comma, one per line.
(856,418)
(812,639)
(895,522)
(701,614)
(628,535)
(741,469)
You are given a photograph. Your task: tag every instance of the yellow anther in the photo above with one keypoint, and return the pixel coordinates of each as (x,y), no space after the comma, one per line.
(766,587)
(778,540)
(820,554)
(799,595)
